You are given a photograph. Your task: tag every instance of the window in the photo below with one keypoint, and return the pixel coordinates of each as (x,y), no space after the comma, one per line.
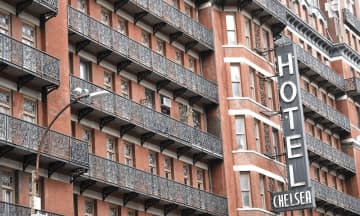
(323,96)
(149,98)
(160,46)
(252,83)
(262,191)
(231,29)
(275,137)
(266,42)
(200,178)
(86,135)
(235,81)
(5,101)
(113,211)
(7,186)
(240,133)
(358,115)
(108,81)
(245,189)
(186,170)
(37,189)
(323,177)
(129,154)
(188,10)
(82,5)
(84,70)
(131,212)
(145,39)
(28,34)
(105,16)
(152,162)
(179,57)
(30,110)
(125,88)
(122,26)
(183,112)
(89,207)
(110,148)
(165,104)
(247,32)
(257,135)
(191,63)
(4,23)
(168,166)
(270,100)
(196,119)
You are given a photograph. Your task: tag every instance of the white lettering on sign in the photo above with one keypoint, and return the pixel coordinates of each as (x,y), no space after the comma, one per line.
(291,199)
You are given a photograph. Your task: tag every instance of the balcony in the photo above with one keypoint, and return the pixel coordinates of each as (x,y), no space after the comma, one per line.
(109,177)
(320,73)
(28,66)
(351,20)
(170,21)
(141,121)
(104,42)
(352,86)
(324,114)
(19,140)
(9,209)
(43,9)
(330,198)
(330,157)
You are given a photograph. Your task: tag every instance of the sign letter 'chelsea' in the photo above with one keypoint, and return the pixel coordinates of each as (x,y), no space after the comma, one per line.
(299,194)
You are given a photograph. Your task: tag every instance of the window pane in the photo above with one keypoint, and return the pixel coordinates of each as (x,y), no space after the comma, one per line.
(244,181)
(230,22)
(239,125)
(235,73)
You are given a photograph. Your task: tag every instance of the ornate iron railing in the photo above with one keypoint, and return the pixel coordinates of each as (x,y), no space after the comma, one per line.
(139,181)
(320,68)
(325,110)
(332,154)
(51,4)
(177,19)
(9,209)
(27,135)
(149,119)
(29,59)
(352,84)
(351,20)
(336,198)
(141,55)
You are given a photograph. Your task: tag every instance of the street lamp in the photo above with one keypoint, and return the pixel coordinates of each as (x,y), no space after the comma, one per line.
(82,93)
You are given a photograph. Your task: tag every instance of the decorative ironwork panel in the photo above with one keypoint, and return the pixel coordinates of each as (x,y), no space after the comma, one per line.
(145,56)
(120,43)
(59,145)
(143,3)
(79,152)
(134,50)
(156,7)
(105,35)
(159,63)
(51,4)
(187,24)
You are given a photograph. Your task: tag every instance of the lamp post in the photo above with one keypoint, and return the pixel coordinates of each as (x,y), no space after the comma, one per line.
(83,93)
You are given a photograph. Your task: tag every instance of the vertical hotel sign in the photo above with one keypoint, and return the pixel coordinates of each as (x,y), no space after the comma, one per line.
(299,194)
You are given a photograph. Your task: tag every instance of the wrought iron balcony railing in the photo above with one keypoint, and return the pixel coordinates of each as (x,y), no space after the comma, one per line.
(16,132)
(330,155)
(348,203)
(9,209)
(352,21)
(325,111)
(161,11)
(134,180)
(334,82)
(142,56)
(150,120)
(352,86)
(51,4)
(23,60)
